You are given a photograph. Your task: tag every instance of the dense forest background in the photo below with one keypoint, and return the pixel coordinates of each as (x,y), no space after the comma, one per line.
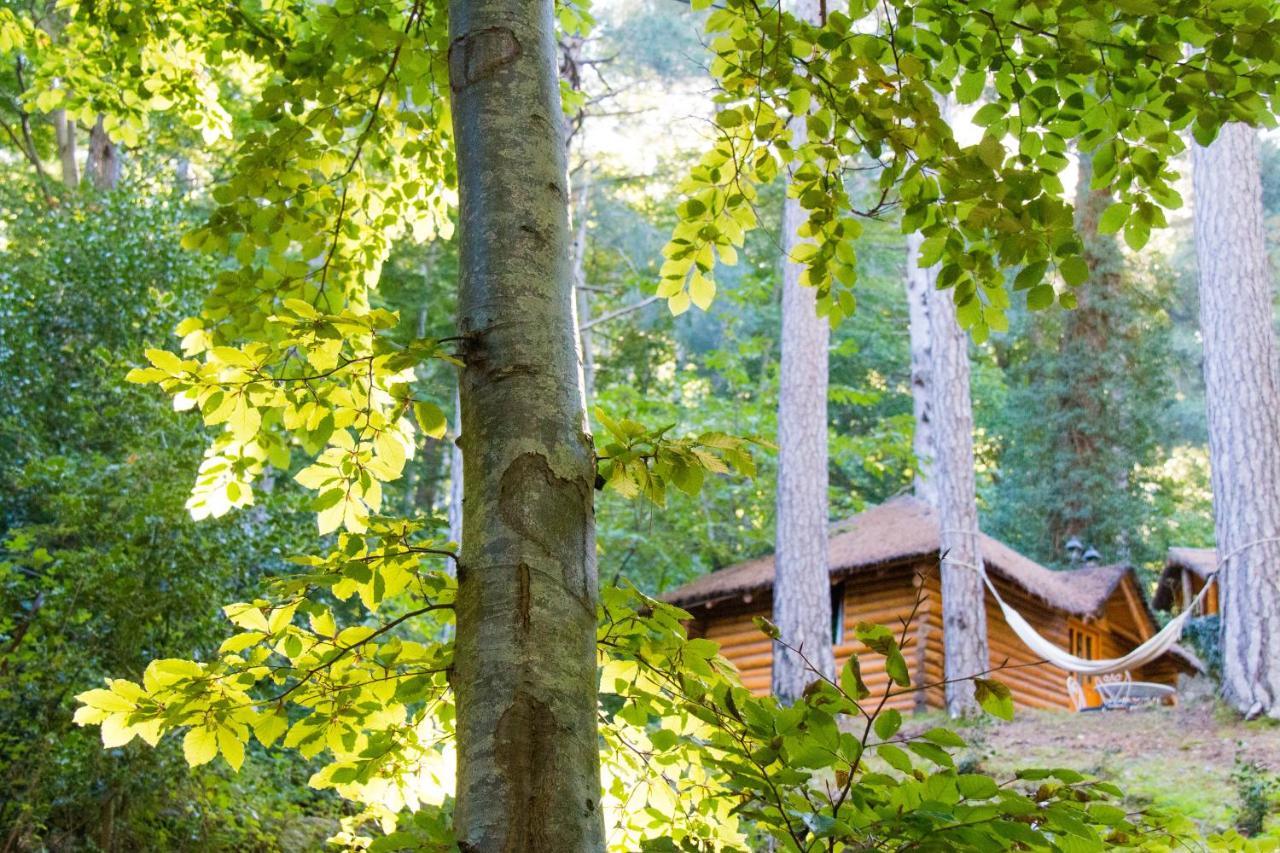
(1090,424)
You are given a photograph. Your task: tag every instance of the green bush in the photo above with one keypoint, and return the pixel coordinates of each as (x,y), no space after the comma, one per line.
(101,568)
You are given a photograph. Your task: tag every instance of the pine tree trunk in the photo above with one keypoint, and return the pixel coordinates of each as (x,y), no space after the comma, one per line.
(802,585)
(102,165)
(1243,395)
(964,615)
(920,285)
(525,666)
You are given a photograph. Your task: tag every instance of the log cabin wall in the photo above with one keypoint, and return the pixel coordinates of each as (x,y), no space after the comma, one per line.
(730,623)
(1209,605)
(1034,684)
(1125,624)
(887,596)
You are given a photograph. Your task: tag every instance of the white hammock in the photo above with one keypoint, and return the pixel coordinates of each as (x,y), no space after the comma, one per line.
(1159,643)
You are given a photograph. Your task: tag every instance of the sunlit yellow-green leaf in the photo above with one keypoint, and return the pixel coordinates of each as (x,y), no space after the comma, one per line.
(199,746)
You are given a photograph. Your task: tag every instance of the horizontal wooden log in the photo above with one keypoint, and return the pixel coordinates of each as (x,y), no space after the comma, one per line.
(742,645)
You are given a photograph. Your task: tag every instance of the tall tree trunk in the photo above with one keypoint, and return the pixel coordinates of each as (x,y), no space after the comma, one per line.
(1243,396)
(578,262)
(525,666)
(102,166)
(64,130)
(964,615)
(802,585)
(455,475)
(920,285)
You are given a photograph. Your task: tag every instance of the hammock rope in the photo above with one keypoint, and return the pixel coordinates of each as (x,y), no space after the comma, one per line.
(1155,646)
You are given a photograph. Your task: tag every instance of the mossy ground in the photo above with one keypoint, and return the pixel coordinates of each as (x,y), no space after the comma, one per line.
(1179,758)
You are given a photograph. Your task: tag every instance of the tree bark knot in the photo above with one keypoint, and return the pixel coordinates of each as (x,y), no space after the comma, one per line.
(480,53)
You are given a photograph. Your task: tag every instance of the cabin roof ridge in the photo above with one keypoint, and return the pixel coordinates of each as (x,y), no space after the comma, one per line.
(904,530)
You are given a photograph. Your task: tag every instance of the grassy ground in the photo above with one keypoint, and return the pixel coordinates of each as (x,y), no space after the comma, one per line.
(1187,758)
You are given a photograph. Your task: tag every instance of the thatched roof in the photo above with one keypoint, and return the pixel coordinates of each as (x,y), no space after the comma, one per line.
(1201,562)
(905,530)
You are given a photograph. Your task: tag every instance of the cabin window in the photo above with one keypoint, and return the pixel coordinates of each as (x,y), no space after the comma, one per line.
(837,614)
(1084,643)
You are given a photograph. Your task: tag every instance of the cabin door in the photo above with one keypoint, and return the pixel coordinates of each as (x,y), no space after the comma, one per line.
(1086,643)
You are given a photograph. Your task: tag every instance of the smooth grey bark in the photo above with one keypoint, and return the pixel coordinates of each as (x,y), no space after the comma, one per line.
(1243,399)
(964,615)
(802,585)
(525,665)
(920,283)
(64,130)
(102,165)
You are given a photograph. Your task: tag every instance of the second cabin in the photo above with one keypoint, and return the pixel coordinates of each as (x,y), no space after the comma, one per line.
(1185,573)
(885,560)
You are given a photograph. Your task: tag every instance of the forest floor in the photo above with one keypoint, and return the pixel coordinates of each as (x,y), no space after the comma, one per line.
(1197,758)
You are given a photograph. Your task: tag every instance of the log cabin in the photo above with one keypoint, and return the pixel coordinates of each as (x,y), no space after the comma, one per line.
(1184,575)
(884,562)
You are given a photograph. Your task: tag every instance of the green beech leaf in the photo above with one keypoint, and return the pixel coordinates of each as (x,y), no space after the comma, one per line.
(1040,297)
(431,419)
(1113,218)
(887,723)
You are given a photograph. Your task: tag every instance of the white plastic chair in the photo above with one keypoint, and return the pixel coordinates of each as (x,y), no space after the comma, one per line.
(1117,693)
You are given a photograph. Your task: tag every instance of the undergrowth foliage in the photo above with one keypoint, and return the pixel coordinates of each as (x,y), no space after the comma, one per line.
(691,759)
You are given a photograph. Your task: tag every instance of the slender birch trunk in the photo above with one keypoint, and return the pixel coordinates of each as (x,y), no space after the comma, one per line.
(920,283)
(525,667)
(64,130)
(964,615)
(802,588)
(1243,397)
